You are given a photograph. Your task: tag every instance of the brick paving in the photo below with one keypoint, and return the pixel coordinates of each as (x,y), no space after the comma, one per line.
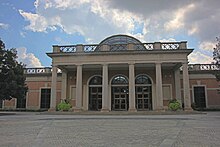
(38,130)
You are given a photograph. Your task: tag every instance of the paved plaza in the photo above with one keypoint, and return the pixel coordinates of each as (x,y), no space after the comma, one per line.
(27,129)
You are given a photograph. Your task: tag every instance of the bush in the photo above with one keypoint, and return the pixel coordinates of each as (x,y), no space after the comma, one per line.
(64,106)
(174,105)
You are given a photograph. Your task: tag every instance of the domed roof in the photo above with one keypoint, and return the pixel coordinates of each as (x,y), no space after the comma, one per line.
(121,40)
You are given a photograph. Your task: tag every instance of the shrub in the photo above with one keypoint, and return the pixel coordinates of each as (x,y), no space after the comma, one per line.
(64,106)
(174,105)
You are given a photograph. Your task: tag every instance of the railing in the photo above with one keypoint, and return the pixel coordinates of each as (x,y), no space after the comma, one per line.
(203,67)
(42,70)
(120,47)
(191,67)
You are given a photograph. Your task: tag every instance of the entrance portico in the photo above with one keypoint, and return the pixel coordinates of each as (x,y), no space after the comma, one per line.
(119,61)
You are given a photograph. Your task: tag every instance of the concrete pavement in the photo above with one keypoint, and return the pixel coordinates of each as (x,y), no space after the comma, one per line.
(36,130)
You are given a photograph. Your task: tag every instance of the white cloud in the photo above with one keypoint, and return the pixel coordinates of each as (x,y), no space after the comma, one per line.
(29,59)
(168,40)
(4,26)
(178,19)
(197,57)
(39,23)
(92,19)
(207,45)
(98,19)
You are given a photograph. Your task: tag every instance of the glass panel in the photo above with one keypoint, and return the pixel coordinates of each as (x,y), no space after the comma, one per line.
(120,80)
(142,79)
(95,98)
(97,80)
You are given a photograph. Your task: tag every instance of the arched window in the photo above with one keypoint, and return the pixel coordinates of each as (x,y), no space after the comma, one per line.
(142,79)
(120,79)
(97,80)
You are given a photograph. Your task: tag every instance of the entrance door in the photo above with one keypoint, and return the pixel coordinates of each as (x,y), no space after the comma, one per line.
(143,92)
(143,99)
(45,98)
(120,98)
(95,93)
(199,96)
(95,101)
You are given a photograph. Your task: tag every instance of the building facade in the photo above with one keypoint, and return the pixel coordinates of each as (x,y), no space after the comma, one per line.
(120,74)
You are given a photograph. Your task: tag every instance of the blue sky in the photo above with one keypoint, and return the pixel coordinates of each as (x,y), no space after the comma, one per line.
(33,26)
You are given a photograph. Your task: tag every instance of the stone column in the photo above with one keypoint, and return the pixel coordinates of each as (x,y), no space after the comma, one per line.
(186,89)
(53,95)
(64,84)
(105,107)
(159,90)
(131,88)
(78,88)
(177,84)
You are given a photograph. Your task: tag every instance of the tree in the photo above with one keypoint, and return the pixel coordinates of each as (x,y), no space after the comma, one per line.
(12,79)
(216,57)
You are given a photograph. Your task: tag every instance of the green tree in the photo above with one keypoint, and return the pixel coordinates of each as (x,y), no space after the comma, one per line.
(12,79)
(216,57)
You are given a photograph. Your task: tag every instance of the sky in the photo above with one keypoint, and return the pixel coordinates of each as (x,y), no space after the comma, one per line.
(33,26)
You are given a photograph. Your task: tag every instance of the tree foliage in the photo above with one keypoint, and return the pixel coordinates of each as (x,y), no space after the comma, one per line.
(12,79)
(216,57)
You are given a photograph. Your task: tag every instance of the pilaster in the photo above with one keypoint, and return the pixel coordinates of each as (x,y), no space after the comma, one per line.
(64,84)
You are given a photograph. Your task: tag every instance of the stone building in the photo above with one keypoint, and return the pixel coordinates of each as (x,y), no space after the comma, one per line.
(120,74)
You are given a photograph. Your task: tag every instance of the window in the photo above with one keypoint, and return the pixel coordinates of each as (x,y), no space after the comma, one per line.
(120,80)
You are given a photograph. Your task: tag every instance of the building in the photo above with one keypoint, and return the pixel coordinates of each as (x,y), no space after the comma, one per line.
(120,74)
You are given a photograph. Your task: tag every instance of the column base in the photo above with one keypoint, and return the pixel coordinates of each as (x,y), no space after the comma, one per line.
(160,110)
(188,109)
(77,110)
(52,110)
(105,110)
(132,110)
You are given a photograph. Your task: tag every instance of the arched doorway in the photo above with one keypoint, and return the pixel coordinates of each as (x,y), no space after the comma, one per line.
(120,93)
(95,93)
(143,92)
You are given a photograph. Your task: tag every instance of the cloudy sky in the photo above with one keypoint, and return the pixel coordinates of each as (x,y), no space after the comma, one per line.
(33,26)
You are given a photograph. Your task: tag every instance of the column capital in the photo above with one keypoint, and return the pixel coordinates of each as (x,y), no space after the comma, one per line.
(158,62)
(105,64)
(79,64)
(131,63)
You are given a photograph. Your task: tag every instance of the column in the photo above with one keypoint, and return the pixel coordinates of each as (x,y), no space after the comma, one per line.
(53,95)
(105,107)
(64,84)
(131,88)
(159,90)
(186,90)
(78,88)
(177,84)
